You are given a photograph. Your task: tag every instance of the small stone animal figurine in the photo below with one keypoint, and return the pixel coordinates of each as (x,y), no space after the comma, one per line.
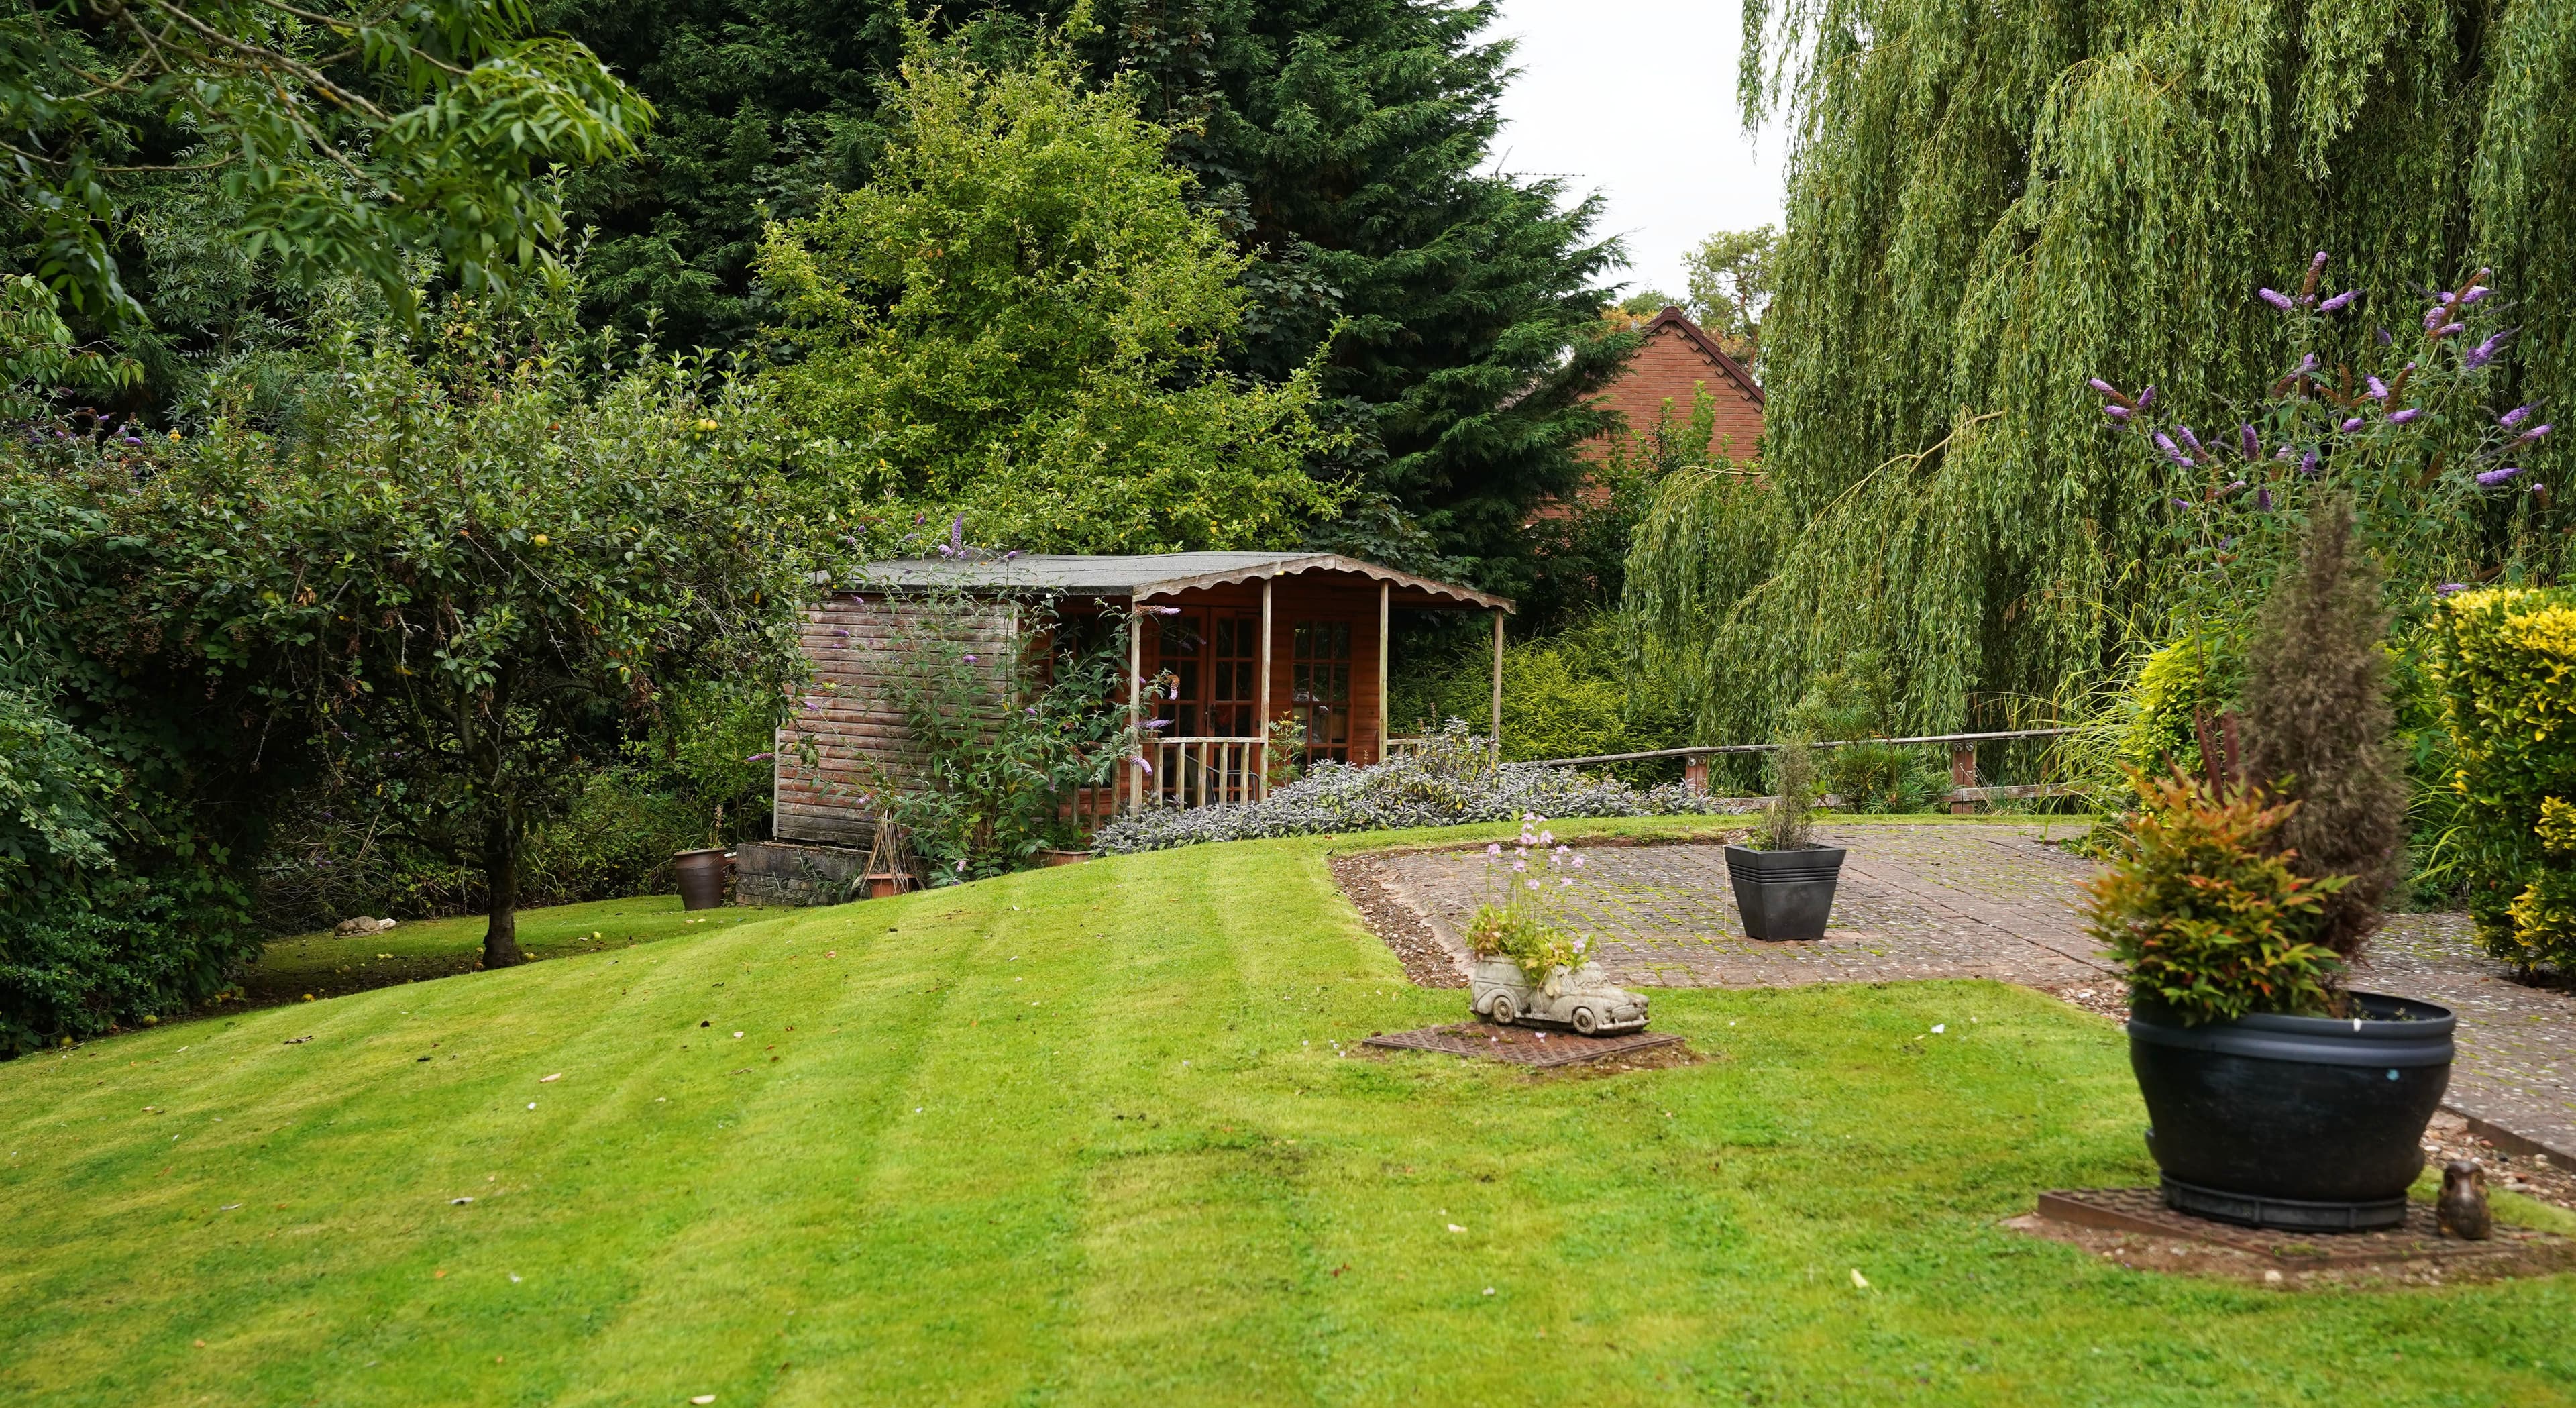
(2463,1209)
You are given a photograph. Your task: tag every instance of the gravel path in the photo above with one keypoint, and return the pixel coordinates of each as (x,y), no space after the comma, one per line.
(1975,900)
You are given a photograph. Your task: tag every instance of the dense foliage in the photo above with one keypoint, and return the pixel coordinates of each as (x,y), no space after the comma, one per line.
(339,136)
(2507,665)
(1989,205)
(1449,782)
(2320,729)
(1021,319)
(2206,914)
(1347,146)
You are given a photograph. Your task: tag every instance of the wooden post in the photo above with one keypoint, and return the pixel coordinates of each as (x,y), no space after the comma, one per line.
(1261,691)
(1497,715)
(1384,732)
(1963,773)
(1135,702)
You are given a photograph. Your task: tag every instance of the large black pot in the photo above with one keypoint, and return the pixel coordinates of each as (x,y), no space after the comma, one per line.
(1785,894)
(702,878)
(2313,1123)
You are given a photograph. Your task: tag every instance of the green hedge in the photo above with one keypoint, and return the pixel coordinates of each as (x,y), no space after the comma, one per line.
(2507,665)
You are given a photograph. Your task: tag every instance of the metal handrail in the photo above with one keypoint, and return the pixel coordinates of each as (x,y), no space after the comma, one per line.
(1702,750)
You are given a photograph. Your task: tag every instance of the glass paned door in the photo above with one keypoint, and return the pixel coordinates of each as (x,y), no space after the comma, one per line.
(1320,688)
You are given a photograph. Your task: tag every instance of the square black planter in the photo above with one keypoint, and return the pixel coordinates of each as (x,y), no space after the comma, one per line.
(1785,894)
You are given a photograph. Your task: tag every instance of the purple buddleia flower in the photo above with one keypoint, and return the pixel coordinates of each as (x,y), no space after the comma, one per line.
(2438,314)
(2146,398)
(2352,425)
(2446,329)
(2476,295)
(1158,723)
(1139,761)
(760,757)
(2171,452)
(2486,351)
(2117,413)
(2378,388)
(2340,301)
(2246,440)
(1012,554)
(2276,298)
(2307,364)
(957,533)
(2183,504)
(2308,464)
(2263,500)
(2190,439)
(2383,338)
(2102,386)
(2401,417)
(2318,264)
(2449,587)
(2516,416)
(2493,477)
(2232,488)
(2532,434)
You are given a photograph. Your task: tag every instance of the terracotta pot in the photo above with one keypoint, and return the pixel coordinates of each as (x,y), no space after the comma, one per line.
(884,887)
(702,877)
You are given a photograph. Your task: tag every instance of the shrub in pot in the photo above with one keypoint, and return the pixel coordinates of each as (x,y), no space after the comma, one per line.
(1783,880)
(2276,1096)
(1527,968)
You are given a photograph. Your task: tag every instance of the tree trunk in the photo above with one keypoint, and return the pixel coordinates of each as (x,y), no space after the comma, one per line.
(501,880)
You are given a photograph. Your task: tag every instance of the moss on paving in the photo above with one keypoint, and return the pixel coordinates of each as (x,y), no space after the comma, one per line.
(1095,1135)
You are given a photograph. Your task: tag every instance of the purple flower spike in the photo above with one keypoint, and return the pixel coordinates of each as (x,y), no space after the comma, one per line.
(2476,295)
(2171,451)
(2245,439)
(2532,434)
(957,533)
(2117,413)
(760,757)
(2449,587)
(1008,556)
(2516,416)
(2401,417)
(2318,264)
(970,659)
(2435,315)
(2190,439)
(2276,298)
(2446,329)
(2352,425)
(2378,388)
(2183,504)
(2340,301)
(2102,386)
(2146,398)
(2308,464)
(2493,477)
(2231,488)
(2485,352)
(2383,337)
(2263,500)
(2307,364)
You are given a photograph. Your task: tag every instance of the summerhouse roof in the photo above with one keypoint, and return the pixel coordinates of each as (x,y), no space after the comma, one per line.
(1143,577)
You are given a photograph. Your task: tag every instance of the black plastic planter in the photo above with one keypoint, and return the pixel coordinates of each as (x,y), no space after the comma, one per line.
(1785,894)
(702,878)
(2309,1123)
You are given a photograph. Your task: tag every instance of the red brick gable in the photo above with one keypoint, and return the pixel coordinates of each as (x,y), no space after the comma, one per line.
(1675,360)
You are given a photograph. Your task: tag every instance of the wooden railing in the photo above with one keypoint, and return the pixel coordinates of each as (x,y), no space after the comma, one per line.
(1202,772)
(1964,794)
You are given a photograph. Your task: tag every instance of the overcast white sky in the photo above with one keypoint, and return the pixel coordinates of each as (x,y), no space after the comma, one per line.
(1636,99)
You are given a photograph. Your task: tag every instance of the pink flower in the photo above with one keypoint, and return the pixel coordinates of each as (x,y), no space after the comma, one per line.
(1533,884)
(1494,849)
(1519,866)
(1567,881)
(1578,862)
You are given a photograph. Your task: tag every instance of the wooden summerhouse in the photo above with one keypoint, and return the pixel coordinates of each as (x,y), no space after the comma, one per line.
(1233,641)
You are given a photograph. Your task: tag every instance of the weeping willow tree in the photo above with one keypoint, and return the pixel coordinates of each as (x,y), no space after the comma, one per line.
(1991,203)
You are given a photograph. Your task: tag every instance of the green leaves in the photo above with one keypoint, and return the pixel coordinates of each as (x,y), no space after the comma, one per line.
(354,134)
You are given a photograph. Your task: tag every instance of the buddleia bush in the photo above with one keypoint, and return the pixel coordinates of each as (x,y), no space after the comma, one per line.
(2506,660)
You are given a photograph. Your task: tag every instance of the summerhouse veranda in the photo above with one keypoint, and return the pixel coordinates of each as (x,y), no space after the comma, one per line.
(1225,644)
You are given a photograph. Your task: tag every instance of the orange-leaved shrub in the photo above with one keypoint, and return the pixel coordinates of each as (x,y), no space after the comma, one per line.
(2209,918)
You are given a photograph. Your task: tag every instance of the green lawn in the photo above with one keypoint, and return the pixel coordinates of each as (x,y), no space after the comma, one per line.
(1090,1135)
(323,965)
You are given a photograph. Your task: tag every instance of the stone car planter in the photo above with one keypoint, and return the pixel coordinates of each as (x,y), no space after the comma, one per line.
(1582,998)
(1785,894)
(2307,1123)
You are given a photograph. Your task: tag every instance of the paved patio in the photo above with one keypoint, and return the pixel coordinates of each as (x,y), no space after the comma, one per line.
(1986,900)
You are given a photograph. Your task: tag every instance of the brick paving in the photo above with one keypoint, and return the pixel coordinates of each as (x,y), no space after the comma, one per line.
(1983,900)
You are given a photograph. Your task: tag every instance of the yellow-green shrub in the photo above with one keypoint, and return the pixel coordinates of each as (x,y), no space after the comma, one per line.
(2507,666)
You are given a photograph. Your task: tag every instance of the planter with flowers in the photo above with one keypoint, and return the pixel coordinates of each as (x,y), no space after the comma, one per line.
(2250,879)
(1527,968)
